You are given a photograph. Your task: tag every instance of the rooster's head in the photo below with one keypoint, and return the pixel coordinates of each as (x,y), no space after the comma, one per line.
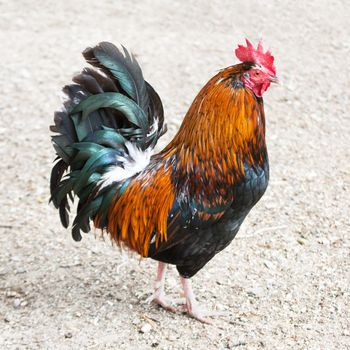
(262,72)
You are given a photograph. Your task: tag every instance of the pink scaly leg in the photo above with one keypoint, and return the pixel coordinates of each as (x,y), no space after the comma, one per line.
(159,296)
(191,306)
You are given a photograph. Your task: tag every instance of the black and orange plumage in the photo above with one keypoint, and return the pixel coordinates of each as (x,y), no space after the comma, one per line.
(186,203)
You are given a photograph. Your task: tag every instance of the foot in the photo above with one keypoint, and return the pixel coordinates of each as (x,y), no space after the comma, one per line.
(159,298)
(192,307)
(200,314)
(197,313)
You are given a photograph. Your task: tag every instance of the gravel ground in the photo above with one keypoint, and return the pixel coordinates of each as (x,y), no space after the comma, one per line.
(283,283)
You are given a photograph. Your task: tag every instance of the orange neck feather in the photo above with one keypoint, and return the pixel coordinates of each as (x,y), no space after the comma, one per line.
(223,129)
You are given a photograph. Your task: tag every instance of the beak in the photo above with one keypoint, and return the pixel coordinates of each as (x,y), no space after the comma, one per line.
(274,80)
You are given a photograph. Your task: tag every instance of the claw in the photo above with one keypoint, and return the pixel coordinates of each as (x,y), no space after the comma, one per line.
(160,299)
(197,313)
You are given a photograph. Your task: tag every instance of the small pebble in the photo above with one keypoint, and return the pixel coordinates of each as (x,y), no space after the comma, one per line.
(11,294)
(135,321)
(17,303)
(146,328)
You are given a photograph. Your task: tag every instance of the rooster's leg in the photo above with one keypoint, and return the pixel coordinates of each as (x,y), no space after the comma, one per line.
(159,296)
(191,306)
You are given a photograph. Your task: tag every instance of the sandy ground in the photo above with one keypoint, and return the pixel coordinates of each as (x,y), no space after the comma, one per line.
(283,283)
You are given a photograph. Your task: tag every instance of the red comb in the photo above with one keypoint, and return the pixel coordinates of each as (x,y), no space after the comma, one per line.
(257,55)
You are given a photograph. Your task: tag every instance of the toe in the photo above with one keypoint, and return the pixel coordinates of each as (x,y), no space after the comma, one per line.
(165,305)
(200,317)
(160,300)
(196,312)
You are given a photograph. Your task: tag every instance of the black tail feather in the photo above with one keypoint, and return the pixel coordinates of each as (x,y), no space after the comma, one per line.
(118,73)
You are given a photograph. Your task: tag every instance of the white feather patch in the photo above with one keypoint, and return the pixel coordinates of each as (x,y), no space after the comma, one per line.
(135,162)
(153,128)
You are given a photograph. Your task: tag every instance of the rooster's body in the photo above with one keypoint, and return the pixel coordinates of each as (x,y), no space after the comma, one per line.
(180,206)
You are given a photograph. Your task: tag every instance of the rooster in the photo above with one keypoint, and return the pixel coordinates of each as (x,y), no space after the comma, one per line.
(184,204)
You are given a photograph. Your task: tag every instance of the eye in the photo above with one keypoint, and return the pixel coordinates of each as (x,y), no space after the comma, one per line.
(257,72)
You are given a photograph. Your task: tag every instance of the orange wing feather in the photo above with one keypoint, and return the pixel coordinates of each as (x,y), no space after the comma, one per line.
(143,209)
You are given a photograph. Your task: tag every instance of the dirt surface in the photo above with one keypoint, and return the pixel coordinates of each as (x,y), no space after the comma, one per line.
(284,281)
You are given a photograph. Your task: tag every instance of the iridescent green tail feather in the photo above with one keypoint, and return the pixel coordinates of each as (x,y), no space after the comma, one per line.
(105,108)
